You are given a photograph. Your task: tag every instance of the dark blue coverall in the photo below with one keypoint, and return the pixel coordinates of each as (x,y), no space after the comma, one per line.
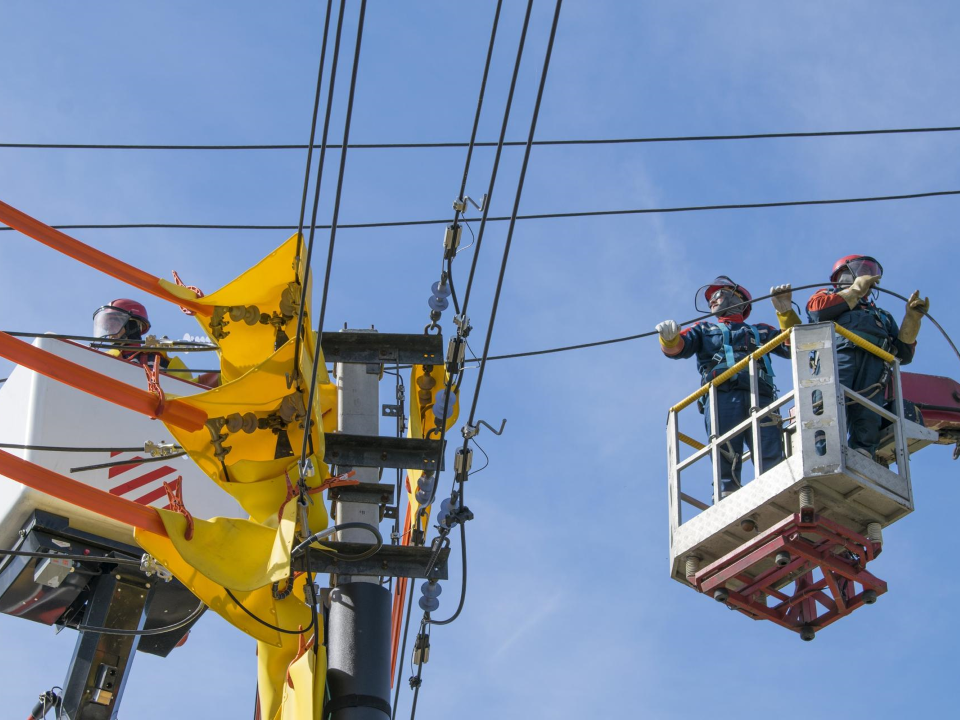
(714,355)
(858,369)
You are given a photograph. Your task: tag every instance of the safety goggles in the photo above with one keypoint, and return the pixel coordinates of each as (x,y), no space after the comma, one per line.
(111,322)
(864,266)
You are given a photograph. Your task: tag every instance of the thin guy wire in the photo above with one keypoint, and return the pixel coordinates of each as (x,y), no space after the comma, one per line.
(537,216)
(512,143)
(333,231)
(306,265)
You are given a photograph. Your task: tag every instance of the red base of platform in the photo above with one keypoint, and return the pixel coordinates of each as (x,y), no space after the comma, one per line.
(813,543)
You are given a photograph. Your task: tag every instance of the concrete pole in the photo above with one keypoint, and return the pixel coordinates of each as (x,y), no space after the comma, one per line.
(358,641)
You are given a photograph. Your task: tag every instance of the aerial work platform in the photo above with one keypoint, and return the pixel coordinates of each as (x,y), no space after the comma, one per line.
(793,543)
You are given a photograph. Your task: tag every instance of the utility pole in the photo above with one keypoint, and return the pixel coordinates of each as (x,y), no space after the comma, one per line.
(358,624)
(358,645)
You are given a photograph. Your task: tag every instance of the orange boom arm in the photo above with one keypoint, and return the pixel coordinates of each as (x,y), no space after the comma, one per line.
(62,242)
(173,412)
(76,493)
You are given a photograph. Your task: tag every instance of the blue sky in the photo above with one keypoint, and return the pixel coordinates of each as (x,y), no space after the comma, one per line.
(570,611)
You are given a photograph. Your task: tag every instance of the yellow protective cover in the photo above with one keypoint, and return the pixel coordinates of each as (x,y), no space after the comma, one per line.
(250,472)
(207,572)
(246,346)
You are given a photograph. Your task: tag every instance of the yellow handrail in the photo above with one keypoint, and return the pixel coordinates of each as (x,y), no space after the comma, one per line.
(733,370)
(864,344)
(696,445)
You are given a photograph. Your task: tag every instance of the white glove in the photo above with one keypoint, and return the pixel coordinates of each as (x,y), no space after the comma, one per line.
(669,332)
(782,298)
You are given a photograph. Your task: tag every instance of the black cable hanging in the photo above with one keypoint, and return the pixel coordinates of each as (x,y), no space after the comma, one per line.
(537,216)
(652,333)
(512,143)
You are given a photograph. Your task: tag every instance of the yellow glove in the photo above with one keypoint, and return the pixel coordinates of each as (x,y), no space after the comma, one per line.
(860,287)
(916,309)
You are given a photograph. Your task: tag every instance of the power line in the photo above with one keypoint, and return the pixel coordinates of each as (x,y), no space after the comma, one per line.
(537,216)
(511,143)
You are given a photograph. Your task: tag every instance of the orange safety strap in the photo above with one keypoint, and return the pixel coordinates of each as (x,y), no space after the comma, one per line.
(72,247)
(174,412)
(76,493)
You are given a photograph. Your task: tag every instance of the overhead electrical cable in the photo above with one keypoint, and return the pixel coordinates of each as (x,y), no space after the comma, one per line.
(653,333)
(313,127)
(511,143)
(459,206)
(426,622)
(537,216)
(333,231)
(513,219)
(308,260)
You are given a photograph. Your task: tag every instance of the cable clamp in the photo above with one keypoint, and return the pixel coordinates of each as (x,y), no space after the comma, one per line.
(463,461)
(470,431)
(160,449)
(451,240)
(150,567)
(421,651)
(463,324)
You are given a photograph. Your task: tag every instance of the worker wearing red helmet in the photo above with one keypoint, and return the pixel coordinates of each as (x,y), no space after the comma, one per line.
(125,319)
(848,304)
(717,346)
(122,319)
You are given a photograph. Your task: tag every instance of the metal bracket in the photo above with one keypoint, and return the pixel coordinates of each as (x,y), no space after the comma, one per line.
(470,431)
(392,410)
(351,346)
(390,561)
(383,452)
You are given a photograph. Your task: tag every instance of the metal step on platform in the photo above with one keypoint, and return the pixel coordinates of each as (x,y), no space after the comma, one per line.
(352,346)
(344,450)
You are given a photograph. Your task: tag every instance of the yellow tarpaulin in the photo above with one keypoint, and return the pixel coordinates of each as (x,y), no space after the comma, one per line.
(253,420)
(249,310)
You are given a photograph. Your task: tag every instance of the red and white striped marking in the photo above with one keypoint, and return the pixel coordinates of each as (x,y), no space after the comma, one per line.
(141,483)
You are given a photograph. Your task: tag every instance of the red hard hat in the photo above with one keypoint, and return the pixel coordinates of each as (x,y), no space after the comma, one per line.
(723,281)
(867,263)
(110,319)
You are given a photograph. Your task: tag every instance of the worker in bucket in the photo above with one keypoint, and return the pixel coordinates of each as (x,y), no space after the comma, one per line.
(718,346)
(127,322)
(849,304)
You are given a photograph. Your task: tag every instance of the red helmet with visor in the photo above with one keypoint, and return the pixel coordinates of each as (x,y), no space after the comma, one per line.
(857,265)
(121,318)
(723,282)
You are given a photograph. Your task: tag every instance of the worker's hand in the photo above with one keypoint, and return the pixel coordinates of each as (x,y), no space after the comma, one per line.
(864,284)
(859,288)
(916,309)
(916,306)
(669,332)
(782,298)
